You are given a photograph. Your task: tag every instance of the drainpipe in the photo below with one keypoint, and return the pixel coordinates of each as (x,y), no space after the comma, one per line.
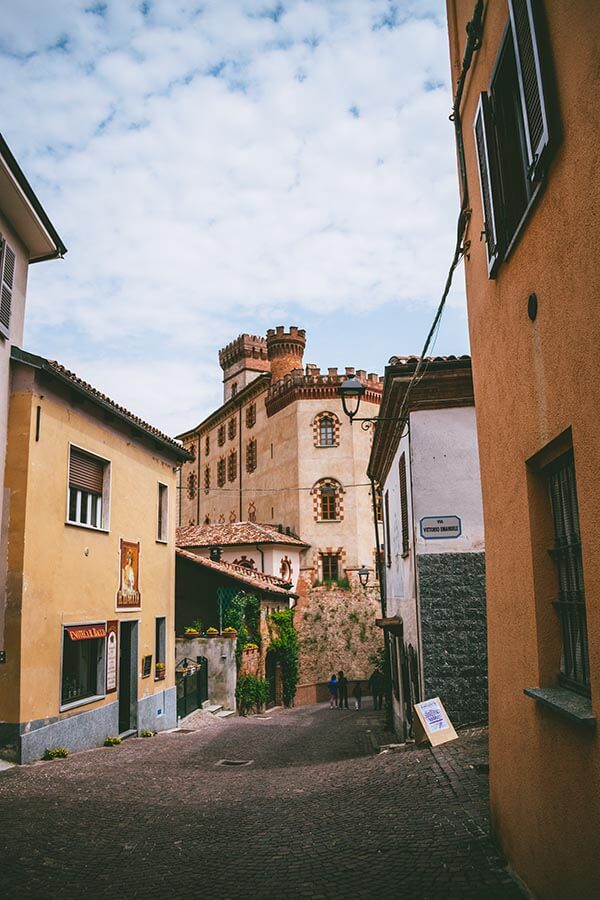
(262,558)
(389,714)
(241,466)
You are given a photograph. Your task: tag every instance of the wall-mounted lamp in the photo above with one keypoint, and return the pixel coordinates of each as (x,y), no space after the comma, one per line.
(363,576)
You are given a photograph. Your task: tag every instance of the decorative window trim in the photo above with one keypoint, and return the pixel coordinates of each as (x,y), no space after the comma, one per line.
(318,500)
(317,431)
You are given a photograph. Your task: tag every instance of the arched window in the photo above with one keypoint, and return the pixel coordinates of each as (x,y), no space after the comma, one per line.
(326,430)
(328,501)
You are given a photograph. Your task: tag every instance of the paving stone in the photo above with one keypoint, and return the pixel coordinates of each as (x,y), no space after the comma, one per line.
(317,815)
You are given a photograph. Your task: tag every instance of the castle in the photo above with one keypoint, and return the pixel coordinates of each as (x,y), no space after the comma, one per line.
(280,451)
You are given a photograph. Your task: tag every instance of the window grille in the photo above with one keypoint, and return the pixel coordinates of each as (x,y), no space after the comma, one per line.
(191,485)
(326,438)
(231,429)
(207,445)
(232,466)
(221,472)
(251,415)
(207,479)
(251,456)
(570,602)
(221,435)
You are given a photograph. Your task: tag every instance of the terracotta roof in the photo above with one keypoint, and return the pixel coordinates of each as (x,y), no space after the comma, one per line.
(56,369)
(411,361)
(233,534)
(268,583)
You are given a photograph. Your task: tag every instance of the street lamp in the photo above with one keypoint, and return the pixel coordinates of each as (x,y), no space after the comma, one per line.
(363,575)
(351,391)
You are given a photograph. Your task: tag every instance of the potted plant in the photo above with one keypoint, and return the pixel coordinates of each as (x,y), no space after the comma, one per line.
(193,629)
(211,632)
(229,632)
(159,671)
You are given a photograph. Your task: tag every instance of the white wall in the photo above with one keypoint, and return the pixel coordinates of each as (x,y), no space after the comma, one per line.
(445,476)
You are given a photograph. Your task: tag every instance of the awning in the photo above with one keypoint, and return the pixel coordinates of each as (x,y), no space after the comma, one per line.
(86,632)
(392,623)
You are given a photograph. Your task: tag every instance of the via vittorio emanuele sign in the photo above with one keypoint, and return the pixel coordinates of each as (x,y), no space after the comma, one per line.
(438,528)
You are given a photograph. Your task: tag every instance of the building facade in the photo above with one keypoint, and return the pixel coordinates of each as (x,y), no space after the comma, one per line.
(434,561)
(530,124)
(280,451)
(90,490)
(27,236)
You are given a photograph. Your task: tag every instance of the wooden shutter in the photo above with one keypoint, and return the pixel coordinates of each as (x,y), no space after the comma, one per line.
(7,262)
(531,86)
(484,144)
(404,506)
(86,473)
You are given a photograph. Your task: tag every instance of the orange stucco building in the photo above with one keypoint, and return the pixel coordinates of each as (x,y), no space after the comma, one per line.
(530,124)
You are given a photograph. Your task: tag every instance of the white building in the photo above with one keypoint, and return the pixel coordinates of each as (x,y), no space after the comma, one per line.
(434,564)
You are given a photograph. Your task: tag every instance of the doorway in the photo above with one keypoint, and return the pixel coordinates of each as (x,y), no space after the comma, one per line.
(128,678)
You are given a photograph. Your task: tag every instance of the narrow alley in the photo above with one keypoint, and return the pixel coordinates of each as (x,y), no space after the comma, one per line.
(316,812)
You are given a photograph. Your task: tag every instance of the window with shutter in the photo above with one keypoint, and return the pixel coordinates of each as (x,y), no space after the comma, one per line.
(404,507)
(512,133)
(486,164)
(531,87)
(163,513)
(87,495)
(7,268)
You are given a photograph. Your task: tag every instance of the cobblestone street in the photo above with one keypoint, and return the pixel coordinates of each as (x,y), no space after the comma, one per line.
(317,813)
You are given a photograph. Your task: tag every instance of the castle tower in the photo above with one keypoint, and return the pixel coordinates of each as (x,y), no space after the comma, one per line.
(285,350)
(242,361)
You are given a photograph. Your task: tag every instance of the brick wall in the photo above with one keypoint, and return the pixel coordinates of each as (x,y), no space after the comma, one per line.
(453,632)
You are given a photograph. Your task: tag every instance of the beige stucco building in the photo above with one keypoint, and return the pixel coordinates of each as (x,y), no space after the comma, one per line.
(91,567)
(280,451)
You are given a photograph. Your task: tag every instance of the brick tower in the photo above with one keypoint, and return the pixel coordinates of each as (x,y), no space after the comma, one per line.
(242,360)
(285,350)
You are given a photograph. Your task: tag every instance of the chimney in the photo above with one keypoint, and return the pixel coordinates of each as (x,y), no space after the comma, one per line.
(215,554)
(285,350)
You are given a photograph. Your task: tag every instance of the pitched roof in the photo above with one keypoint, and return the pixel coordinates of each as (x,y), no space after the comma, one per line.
(62,374)
(233,534)
(411,361)
(259,580)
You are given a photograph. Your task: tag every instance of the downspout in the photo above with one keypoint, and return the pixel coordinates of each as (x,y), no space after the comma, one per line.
(241,466)
(389,714)
(262,558)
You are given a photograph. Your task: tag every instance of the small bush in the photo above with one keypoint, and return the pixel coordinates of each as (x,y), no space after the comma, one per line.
(353,617)
(147,733)
(112,741)
(251,693)
(55,753)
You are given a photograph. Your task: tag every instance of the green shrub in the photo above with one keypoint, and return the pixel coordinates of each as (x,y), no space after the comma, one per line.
(285,649)
(353,617)
(112,741)
(251,693)
(147,733)
(55,753)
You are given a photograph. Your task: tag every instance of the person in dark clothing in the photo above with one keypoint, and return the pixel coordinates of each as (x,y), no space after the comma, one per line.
(342,690)
(357,694)
(377,688)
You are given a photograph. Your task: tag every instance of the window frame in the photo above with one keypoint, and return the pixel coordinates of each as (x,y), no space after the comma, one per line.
(330,556)
(162,518)
(104,527)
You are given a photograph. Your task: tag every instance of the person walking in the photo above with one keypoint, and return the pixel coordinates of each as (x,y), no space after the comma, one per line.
(342,690)
(377,688)
(332,684)
(357,694)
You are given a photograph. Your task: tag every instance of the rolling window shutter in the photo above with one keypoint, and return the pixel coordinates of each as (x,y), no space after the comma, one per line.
(487,180)
(531,88)
(7,260)
(86,473)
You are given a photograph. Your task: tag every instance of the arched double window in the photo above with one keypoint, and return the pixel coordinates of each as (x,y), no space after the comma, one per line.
(326,430)
(328,500)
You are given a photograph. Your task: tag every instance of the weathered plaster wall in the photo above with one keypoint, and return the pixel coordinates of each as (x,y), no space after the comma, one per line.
(220,653)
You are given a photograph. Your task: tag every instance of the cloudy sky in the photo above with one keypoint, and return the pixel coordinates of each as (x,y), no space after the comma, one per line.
(220,166)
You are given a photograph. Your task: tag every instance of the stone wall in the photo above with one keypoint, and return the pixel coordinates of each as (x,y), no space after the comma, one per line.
(222,674)
(453,632)
(336,630)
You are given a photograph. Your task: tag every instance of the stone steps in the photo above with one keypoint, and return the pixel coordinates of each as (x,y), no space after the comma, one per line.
(224,713)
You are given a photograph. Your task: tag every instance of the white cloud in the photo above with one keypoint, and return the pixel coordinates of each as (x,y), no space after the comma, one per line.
(312,170)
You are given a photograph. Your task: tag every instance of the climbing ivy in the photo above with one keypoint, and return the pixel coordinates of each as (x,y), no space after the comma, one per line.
(284,646)
(243,614)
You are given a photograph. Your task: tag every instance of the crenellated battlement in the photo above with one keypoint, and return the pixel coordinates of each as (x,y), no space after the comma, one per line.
(311,384)
(246,346)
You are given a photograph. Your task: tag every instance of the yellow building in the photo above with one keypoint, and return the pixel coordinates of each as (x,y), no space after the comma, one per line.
(90,490)
(280,451)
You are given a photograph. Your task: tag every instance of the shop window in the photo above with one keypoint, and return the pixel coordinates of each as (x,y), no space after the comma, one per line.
(250,415)
(82,663)
(232,428)
(221,435)
(512,131)
(89,478)
(232,466)
(251,455)
(163,513)
(221,472)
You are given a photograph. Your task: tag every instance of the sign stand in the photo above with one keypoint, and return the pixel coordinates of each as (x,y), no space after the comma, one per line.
(432,723)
